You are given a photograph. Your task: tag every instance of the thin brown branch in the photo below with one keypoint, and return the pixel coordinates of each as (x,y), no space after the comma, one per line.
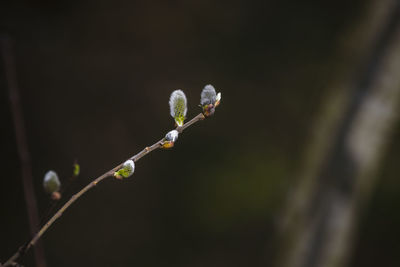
(22,250)
(199,117)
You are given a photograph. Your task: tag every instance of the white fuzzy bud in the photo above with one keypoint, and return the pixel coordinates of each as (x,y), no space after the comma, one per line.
(178,106)
(172,136)
(208,95)
(51,183)
(209,100)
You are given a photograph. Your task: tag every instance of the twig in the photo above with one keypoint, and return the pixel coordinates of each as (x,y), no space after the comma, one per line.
(199,117)
(22,250)
(22,145)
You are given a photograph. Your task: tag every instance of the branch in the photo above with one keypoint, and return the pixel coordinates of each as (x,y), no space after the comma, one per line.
(22,250)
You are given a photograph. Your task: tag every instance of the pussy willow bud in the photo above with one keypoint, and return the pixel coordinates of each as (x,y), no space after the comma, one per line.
(170,139)
(127,169)
(178,106)
(76,170)
(209,100)
(51,183)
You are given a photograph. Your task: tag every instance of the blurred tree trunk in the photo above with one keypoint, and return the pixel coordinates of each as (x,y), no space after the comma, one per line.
(7,49)
(320,220)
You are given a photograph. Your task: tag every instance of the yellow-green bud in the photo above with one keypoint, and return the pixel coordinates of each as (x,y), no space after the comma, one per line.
(76,169)
(127,169)
(178,106)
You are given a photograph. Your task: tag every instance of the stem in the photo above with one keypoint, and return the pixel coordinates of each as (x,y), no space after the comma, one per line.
(22,250)
(199,117)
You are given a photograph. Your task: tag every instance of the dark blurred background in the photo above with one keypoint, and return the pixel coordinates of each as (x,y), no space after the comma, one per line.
(94,79)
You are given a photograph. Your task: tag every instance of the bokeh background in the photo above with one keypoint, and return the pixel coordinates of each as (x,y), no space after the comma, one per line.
(95,78)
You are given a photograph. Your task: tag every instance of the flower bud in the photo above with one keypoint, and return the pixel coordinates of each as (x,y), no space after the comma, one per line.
(51,183)
(178,106)
(208,95)
(170,139)
(127,169)
(209,100)
(172,136)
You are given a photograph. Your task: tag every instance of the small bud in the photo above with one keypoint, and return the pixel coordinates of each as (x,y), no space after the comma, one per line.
(209,100)
(172,136)
(168,144)
(178,106)
(51,183)
(56,195)
(76,170)
(128,168)
(217,100)
(170,139)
